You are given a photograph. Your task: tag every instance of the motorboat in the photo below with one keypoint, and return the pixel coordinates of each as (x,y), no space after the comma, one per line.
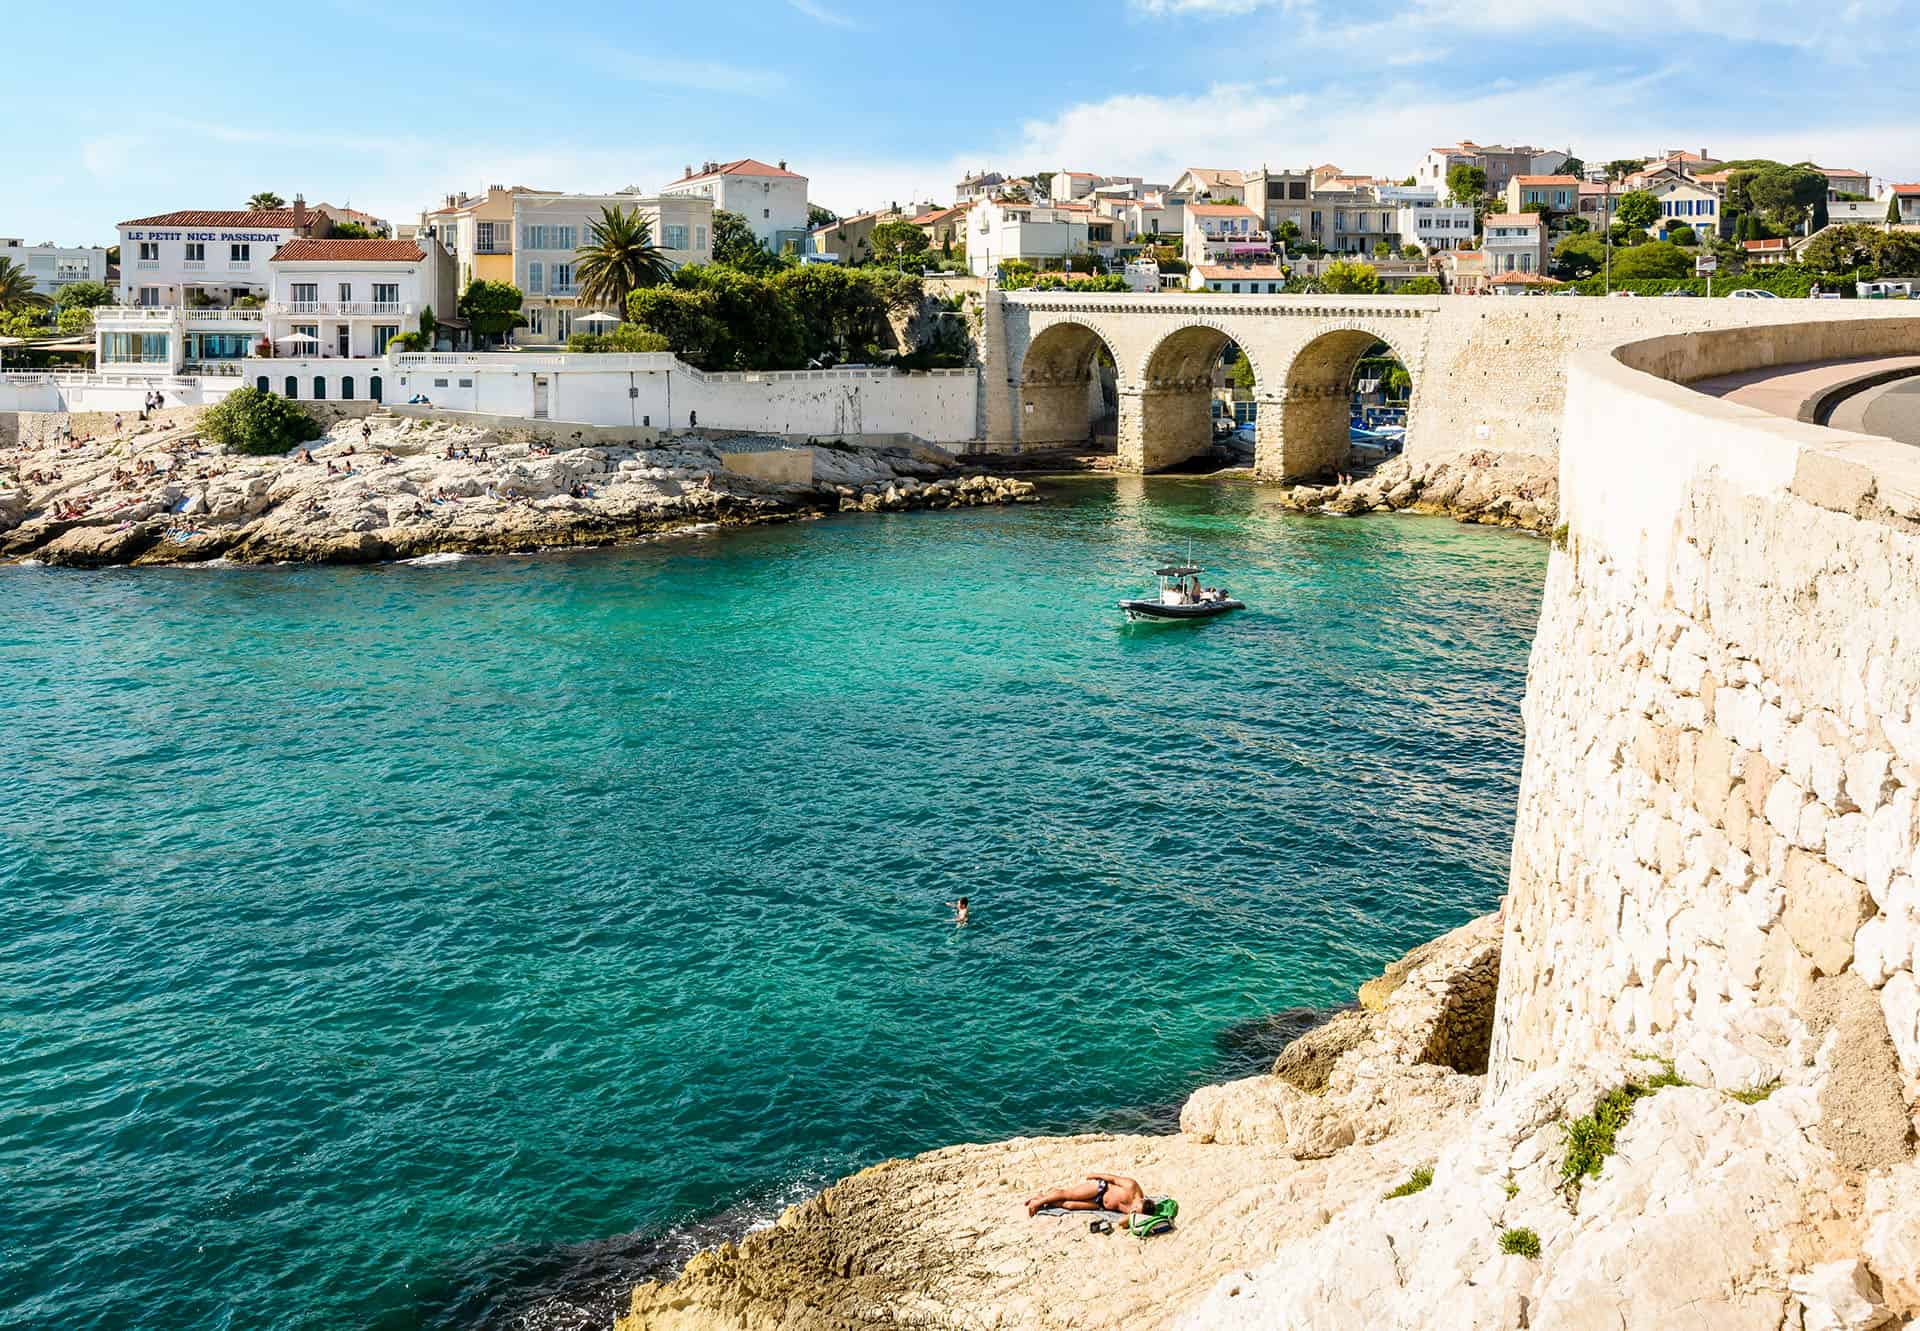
(1182,597)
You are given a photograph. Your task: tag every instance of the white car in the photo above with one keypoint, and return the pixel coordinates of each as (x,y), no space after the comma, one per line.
(1752,293)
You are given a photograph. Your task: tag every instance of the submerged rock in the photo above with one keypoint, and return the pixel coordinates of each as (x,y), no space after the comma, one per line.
(1481,486)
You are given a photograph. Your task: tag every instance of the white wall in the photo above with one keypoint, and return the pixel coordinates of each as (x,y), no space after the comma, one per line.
(170,271)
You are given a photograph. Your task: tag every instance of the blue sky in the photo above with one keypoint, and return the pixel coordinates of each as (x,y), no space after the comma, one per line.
(392,105)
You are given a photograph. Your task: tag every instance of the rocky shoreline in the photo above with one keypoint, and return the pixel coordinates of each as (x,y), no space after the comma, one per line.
(155,493)
(1482,486)
(1370,1180)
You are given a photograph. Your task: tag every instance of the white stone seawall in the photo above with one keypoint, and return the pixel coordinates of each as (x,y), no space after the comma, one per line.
(1723,719)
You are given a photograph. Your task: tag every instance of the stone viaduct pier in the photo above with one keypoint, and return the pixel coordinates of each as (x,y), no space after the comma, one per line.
(1488,372)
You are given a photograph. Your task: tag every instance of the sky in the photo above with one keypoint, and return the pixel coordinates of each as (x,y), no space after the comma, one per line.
(391,104)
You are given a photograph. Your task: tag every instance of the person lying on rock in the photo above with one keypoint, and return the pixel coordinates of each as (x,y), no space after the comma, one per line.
(1101,1192)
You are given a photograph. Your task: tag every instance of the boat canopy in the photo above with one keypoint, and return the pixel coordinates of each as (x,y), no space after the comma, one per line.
(1178,572)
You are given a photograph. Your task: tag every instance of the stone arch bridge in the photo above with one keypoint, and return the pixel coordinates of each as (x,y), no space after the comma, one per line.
(1488,372)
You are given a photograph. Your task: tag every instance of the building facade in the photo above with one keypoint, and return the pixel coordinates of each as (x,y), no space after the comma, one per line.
(207,257)
(1435,227)
(478,230)
(349,298)
(549,230)
(1514,243)
(1561,194)
(772,199)
(54,266)
(1223,233)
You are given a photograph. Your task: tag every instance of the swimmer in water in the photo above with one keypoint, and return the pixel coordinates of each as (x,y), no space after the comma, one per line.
(961,912)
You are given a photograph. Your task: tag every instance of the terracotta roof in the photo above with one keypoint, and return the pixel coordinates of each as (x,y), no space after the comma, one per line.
(1906,189)
(247,217)
(1512,219)
(1222,210)
(1212,177)
(1775,243)
(745,166)
(1258,272)
(1838,171)
(349,251)
(1546,180)
(1522,280)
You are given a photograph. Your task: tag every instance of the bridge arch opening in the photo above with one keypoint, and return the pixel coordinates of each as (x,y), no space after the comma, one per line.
(1344,377)
(1191,379)
(1069,389)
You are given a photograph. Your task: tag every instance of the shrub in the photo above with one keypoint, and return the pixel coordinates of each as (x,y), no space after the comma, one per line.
(1350,277)
(1418,1181)
(260,424)
(1521,1242)
(1590,1139)
(1420,286)
(1756,1094)
(620,338)
(409,341)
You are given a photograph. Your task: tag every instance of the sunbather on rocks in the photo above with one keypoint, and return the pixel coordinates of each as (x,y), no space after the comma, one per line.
(1101,1192)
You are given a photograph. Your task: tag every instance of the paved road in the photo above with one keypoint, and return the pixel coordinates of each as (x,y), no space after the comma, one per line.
(1891,411)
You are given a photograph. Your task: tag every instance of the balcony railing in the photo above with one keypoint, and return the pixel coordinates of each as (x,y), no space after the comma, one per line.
(494,247)
(147,265)
(194,265)
(568,289)
(166,314)
(342,309)
(239,265)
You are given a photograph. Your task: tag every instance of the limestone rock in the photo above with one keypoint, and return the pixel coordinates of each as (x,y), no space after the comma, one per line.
(1839,1296)
(1308,1060)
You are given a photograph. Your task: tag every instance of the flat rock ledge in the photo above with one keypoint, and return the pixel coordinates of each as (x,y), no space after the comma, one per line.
(155,493)
(1493,489)
(1369,1184)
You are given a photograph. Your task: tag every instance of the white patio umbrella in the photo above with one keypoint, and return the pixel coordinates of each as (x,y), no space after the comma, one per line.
(598,318)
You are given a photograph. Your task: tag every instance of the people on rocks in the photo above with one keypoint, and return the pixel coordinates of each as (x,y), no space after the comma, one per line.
(1101,1192)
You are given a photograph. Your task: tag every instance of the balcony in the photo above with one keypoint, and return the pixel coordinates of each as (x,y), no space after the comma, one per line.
(194,265)
(147,265)
(342,309)
(239,265)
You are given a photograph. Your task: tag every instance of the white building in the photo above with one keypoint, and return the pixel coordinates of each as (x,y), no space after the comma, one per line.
(54,266)
(549,230)
(206,257)
(771,198)
(1434,227)
(1224,233)
(349,298)
(1000,230)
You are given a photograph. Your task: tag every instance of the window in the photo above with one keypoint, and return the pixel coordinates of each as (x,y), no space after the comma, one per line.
(548,237)
(439,383)
(386,293)
(240,253)
(346,292)
(563,279)
(466,383)
(261,384)
(536,277)
(196,252)
(346,388)
(563,324)
(150,249)
(306,293)
(135,348)
(699,238)
(766,212)
(1236,288)
(383,334)
(293,387)
(483,239)
(319,389)
(536,320)
(673,237)
(149,296)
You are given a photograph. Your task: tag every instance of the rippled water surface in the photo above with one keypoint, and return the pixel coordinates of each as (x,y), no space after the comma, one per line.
(397,947)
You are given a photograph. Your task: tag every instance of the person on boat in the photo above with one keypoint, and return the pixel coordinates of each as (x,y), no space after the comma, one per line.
(1101,1192)
(962,913)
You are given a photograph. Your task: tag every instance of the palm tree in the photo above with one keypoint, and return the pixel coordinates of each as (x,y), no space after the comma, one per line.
(620,259)
(266,199)
(17,290)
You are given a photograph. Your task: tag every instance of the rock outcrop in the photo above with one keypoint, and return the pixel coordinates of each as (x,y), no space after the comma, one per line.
(154,493)
(1483,486)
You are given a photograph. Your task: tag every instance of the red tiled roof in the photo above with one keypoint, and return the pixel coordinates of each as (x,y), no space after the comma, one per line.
(1546,180)
(1222,210)
(745,166)
(1776,243)
(1522,280)
(349,251)
(1512,219)
(1906,189)
(247,217)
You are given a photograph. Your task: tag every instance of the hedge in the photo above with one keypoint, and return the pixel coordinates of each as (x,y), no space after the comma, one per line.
(1787,283)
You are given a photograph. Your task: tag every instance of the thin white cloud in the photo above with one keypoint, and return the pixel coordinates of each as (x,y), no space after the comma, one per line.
(819,13)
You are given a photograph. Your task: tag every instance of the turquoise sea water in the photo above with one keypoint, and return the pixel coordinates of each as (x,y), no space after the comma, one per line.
(430,946)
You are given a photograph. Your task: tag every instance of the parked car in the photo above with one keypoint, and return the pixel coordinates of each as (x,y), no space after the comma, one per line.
(1751,293)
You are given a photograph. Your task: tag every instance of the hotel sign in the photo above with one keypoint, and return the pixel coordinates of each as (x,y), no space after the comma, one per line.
(204,235)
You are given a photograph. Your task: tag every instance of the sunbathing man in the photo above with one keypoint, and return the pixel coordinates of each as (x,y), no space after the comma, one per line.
(1102,1192)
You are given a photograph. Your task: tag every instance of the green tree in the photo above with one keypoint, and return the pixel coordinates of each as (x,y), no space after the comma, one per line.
(1467,184)
(1638,209)
(1818,217)
(252,421)
(1841,249)
(1044,179)
(1574,167)
(891,240)
(618,259)
(1240,372)
(623,338)
(75,320)
(1787,194)
(265,200)
(1421,286)
(1412,251)
(428,324)
(1656,258)
(1383,249)
(818,216)
(1288,231)
(17,290)
(1579,256)
(1897,254)
(1622,167)
(351,231)
(1350,277)
(1893,209)
(1682,235)
(491,309)
(82,295)
(735,245)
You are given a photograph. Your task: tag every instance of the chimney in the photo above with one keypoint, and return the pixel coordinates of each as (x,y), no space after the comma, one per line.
(300,214)
(686,170)
(783,164)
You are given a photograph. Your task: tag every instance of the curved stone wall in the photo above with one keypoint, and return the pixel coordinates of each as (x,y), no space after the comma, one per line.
(1717,816)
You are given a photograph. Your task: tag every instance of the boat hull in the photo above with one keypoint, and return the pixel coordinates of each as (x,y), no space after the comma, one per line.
(1157,610)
